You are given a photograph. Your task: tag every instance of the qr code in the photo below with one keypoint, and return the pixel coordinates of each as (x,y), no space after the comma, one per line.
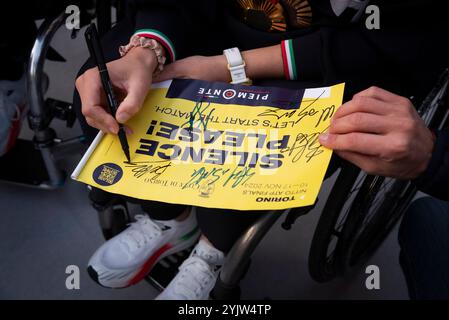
(108,174)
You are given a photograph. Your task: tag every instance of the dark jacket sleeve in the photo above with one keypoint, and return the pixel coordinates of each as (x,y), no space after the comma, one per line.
(435,180)
(402,56)
(176,24)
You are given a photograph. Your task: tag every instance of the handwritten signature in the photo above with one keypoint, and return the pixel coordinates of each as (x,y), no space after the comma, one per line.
(308,111)
(153,168)
(235,177)
(306,145)
(198,117)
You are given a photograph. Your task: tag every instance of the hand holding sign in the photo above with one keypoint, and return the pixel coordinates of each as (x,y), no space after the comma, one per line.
(381,133)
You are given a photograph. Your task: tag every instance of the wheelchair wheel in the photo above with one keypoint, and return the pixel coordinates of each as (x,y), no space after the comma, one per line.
(375,210)
(352,227)
(357,217)
(362,209)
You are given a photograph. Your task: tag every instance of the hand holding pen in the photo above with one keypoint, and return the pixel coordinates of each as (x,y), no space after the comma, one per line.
(96,53)
(131,77)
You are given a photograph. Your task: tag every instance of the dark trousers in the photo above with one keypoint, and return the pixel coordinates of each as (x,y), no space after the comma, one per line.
(424,241)
(221,227)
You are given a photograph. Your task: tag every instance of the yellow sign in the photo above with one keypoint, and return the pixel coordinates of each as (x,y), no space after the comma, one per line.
(219,145)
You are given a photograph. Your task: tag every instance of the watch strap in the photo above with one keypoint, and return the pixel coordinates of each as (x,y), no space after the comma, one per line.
(236,66)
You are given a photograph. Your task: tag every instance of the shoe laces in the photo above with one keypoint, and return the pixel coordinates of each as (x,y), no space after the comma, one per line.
(140,232)
(195,276)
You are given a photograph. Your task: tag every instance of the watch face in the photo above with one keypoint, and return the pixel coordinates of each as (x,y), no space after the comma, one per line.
(276,15)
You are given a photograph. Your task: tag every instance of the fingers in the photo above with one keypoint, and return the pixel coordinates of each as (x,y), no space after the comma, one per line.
(376,131)
(363,143)
(374,100)
(361,122)
(93,101)
(98,118)
(128,130)
(364,162)
(379,94)
(363,104)
(137,91)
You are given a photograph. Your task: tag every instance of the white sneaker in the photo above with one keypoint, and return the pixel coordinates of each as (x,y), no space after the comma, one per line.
(128,257)
(197,275)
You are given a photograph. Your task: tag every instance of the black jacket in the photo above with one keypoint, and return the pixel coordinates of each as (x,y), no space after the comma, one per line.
(406,55)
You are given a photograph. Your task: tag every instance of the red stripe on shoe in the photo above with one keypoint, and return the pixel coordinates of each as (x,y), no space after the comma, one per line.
(149,264)
(154,258)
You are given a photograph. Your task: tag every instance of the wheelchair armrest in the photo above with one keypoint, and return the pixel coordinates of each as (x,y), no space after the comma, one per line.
(39,115)
(238,258)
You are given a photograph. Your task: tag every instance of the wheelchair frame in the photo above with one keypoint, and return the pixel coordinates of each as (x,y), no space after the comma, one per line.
(42,149)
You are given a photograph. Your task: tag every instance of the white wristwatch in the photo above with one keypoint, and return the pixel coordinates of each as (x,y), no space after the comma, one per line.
(236,66)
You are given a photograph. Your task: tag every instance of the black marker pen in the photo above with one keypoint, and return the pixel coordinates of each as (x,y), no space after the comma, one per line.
(96,53)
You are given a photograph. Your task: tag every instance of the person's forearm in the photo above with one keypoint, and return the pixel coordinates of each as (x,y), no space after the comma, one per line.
(262,63)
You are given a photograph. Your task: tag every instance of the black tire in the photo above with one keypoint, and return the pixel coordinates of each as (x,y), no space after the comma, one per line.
(361,209)
(376,209)
(321,262)
(353,225)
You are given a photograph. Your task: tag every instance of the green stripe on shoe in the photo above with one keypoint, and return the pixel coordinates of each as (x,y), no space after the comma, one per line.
(189,235)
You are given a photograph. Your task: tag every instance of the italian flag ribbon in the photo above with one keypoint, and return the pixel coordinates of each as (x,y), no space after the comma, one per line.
(161,38)
(289,59)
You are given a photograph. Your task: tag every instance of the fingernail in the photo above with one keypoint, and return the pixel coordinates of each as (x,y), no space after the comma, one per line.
(122,117)
(324,137)
(128,130)
(113,129)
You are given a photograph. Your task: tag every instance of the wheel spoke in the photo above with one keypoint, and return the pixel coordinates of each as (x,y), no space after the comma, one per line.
(336,233)
(342,218)
(383,194)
